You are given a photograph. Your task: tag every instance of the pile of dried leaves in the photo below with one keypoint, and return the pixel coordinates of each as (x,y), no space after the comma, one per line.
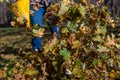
(84,51)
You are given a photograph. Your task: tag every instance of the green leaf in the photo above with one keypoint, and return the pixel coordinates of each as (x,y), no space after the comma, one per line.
(82,10)
(72,26)
(77,62)
(47,48)
(104,56)
(65,53)
(30,72)
(102,48)
(54,63)
(119,64)
(73,9)
(101,30)
(63,9)
(83,77)
(21,70)
(95,62)
(65,30)
(97,38)
(10,72)
(75,44)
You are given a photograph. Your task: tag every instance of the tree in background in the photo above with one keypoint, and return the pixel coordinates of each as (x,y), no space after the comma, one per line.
(3,13)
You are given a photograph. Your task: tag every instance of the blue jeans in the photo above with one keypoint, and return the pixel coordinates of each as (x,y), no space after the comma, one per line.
(54,29)
(36,44)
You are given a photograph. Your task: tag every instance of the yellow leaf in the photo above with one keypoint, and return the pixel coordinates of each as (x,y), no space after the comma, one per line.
(99,64)
(109,41)
(113,25)
(112,75)
(40,60)
(76,44)
(93,17)
(111,21)
(32,61)
(76,71)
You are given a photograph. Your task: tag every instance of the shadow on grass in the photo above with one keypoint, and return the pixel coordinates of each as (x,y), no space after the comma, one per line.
(9,50)
(5,31)
(16,51)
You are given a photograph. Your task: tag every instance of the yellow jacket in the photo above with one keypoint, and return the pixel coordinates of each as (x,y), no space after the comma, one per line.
(21,9)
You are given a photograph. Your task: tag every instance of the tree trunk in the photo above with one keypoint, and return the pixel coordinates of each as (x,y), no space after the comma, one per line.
(3,13)
(113,6)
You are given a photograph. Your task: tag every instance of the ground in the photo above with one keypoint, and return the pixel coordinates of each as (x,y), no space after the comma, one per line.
(13,39)
(15,44)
